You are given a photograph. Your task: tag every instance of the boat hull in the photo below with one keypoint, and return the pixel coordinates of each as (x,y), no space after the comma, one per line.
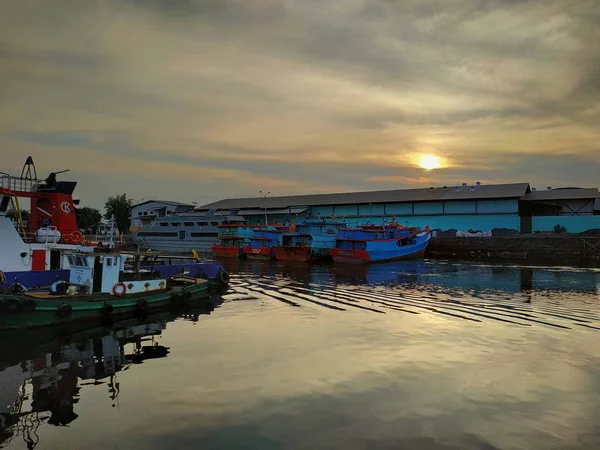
(31,312)
(34,279)
(258,252)
(300,254)
(227,251)
(382,251)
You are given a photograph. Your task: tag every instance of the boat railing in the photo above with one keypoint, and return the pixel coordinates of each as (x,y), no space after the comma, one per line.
(120,239)
(18,184)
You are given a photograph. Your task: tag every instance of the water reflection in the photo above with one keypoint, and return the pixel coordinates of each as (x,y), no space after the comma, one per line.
(43,386)
(413,355)
(520,295)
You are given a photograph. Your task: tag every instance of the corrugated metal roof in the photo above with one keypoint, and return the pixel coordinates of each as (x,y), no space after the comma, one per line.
(483,191)
(162,202)
(260,212)
(563,194)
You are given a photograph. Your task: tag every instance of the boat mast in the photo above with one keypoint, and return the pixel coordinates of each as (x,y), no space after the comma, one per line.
(111,233)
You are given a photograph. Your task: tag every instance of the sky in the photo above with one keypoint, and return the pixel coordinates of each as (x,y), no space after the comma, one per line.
(199,100)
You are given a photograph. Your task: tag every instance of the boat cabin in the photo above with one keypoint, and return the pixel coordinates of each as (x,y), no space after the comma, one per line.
(105,273)
(263,239)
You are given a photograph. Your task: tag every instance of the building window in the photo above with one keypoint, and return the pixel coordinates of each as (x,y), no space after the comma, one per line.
(202,224)
(188,224)
(175,224)
(145,213)
(164,224)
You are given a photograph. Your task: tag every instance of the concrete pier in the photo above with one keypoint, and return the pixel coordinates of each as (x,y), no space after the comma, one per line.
(556,249)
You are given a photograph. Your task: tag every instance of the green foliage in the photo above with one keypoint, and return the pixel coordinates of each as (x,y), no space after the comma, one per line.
(559,229)
(119,207)
(88,218)
(24,214)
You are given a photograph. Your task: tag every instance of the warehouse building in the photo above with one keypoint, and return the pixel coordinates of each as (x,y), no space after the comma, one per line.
(467,208)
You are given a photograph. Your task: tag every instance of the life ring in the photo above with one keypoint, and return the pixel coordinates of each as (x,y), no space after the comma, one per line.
(12,305)
(224,276)
(107,309)
(119,289)
(3,279)
(142,305)
(76,237)
(64,310)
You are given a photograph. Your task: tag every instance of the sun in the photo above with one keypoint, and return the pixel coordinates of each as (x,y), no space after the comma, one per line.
(430,162)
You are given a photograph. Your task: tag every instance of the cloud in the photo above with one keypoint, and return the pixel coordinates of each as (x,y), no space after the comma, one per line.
(297,96)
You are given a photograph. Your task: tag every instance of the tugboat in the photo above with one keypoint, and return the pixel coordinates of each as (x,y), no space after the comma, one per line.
(33,253)
(309,241)
(99,287)
(371,243)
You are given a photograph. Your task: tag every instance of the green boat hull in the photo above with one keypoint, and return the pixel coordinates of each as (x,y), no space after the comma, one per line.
(22,312)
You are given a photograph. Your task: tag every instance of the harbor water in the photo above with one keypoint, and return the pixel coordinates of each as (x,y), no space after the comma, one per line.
(423,355)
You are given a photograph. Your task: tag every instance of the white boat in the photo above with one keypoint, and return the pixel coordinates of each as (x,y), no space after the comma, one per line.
(184,232)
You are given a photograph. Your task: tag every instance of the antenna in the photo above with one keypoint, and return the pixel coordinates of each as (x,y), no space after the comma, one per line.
(29,172)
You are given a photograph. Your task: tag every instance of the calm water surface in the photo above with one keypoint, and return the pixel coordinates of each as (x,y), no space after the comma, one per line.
(411,355)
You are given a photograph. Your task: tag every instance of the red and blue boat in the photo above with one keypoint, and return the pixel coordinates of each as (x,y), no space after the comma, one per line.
(309,241)
(232,239)
(263,242)
(369,244)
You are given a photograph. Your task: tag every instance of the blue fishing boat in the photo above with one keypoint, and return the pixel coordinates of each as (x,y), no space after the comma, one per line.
(308,241)
(370,244)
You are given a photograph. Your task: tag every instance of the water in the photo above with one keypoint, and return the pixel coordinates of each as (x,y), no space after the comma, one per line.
(409,355)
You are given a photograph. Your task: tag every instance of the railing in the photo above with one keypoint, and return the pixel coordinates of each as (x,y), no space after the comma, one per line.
(121,239)
(18,183)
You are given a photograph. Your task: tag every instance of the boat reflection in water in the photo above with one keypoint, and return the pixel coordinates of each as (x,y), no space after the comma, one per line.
(472,277)
(40,374)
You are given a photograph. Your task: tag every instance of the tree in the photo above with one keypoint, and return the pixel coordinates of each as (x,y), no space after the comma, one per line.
(119,206)
(24,214)
(88,218)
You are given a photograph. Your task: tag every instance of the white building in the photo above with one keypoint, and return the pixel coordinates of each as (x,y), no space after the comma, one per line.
(146,212)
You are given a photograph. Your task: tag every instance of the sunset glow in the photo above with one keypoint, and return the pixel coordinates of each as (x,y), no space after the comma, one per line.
(430,162)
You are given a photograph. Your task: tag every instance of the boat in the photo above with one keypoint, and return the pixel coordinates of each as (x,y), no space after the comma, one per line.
(263,242)
(185,231)
(308,241)
(99,288)
(232,238)
(369,244)
(34,252)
